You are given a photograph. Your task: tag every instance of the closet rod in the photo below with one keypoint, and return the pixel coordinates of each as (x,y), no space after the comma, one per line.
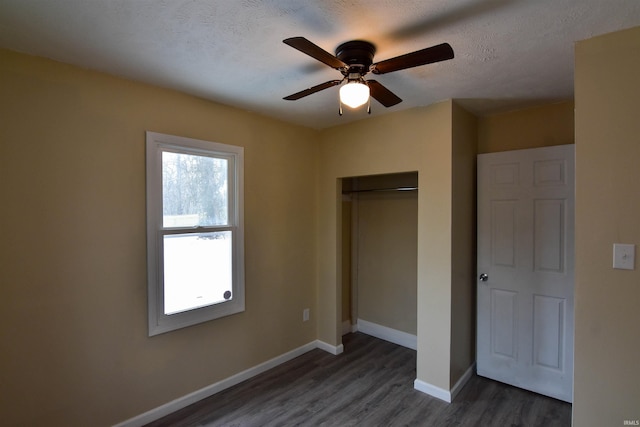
(381,189)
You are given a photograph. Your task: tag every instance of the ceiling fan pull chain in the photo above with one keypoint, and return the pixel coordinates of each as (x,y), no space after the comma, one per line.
(339,107)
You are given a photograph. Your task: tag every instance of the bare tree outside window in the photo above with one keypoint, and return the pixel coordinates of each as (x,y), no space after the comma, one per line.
(194,190)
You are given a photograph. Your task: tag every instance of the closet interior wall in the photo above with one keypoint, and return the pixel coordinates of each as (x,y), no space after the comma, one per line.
(379,246)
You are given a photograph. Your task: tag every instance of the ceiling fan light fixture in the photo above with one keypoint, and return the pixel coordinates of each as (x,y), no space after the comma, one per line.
(354,94)
(354,59)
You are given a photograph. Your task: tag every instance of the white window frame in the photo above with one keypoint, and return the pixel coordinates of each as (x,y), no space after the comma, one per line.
(156,143)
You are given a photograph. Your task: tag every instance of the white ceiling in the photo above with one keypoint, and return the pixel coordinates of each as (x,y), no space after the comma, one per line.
(508,53)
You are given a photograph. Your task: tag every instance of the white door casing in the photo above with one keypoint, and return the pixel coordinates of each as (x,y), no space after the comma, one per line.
(526,250)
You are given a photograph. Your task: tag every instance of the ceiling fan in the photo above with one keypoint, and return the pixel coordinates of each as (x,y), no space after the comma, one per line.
(354,59)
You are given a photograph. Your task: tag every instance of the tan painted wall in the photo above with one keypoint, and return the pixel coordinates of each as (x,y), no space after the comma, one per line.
(346,261)
(73,312)
(607,301)
(387,259)
(415,140)
(543,126)
(463,238)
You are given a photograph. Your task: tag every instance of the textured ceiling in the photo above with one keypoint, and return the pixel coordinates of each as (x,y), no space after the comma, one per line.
(508,53)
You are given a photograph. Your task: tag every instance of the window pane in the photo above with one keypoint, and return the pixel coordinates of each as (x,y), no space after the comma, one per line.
(197,270)
(194,190)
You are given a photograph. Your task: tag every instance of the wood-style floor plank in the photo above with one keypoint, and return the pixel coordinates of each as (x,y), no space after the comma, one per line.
(370,384)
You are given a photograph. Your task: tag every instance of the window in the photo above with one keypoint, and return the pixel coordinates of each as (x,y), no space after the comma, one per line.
(194,231)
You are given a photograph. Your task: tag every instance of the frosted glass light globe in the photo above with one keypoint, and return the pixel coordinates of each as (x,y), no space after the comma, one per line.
(354,94)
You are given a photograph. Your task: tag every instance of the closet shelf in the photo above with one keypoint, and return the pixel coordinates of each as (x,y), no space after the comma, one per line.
(374,190)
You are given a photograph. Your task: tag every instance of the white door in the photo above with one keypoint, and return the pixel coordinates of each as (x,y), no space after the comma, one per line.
(525,269)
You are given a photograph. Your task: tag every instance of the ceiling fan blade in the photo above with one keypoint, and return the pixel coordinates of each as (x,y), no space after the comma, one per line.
(432,54)
(314,51)
(383,95)
(311,90)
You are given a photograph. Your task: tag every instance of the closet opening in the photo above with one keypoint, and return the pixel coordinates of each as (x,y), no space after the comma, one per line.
(379,256)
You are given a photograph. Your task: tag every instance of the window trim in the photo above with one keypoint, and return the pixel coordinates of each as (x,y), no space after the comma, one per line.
(156,143)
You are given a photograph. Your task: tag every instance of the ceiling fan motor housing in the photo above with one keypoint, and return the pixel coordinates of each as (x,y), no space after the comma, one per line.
(358,55)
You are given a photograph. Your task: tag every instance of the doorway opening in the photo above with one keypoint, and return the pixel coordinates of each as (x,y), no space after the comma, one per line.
(379,256)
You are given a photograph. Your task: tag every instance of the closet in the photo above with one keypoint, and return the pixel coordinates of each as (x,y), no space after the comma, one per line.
(379,263)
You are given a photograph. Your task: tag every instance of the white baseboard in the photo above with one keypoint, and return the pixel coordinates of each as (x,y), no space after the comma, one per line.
(388,334)
(432,390)
(347,327)
(335,350)
(463,380)
(442,394)
(212,389)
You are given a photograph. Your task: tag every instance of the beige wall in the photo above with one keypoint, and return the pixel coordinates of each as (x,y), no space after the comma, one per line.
(463,238)
(607,341)
(387,258)
(416,140)
(346,261)
(543,126)
(73,311)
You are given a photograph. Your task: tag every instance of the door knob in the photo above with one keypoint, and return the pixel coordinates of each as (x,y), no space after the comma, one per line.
(483,277)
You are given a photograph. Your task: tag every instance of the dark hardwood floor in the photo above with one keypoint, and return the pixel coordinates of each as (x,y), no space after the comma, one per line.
(370,384)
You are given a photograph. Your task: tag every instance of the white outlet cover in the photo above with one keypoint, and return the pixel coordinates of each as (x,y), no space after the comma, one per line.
(624,256)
